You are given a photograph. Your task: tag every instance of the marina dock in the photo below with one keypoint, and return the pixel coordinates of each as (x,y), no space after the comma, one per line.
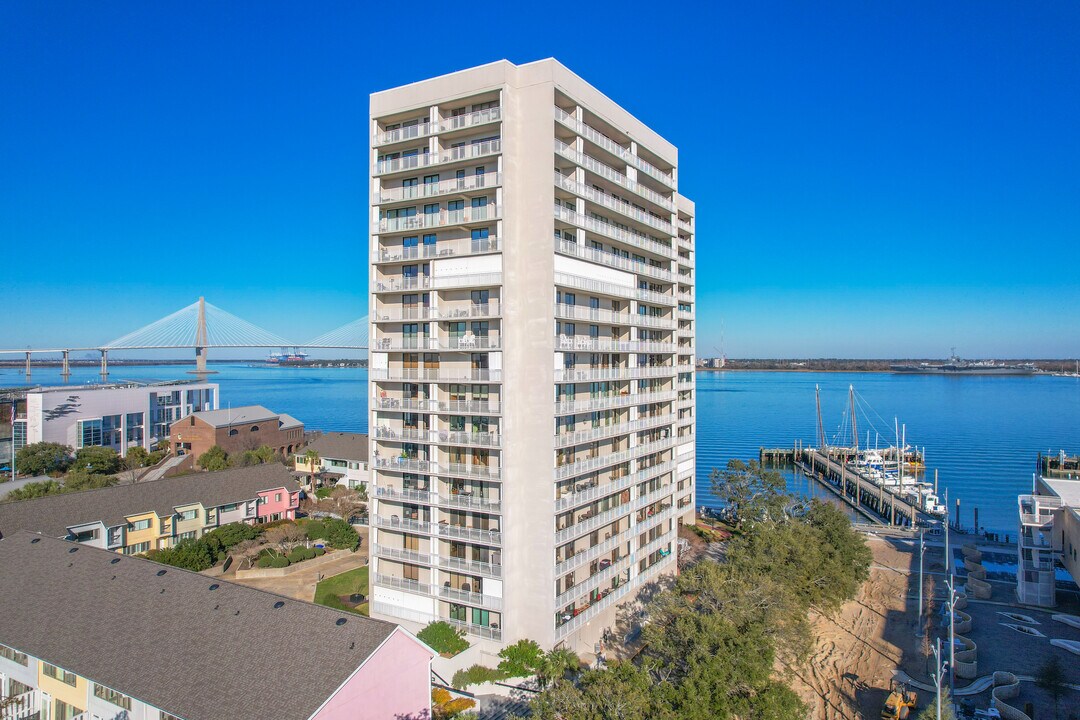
(871,500)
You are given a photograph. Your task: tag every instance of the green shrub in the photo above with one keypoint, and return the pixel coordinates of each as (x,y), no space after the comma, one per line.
(296,555)
(315,529)
(521,659)
(309,553)
(476,675)
(323,492)
(264,561)
(279,562)
(319,552)
(443,638)
(341,535)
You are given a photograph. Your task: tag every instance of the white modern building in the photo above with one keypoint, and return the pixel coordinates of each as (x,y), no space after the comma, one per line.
(1049,535)
(532,355)
(118,416)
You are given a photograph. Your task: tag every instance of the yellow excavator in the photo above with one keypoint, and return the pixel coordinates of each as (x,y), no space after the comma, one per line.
(900,705)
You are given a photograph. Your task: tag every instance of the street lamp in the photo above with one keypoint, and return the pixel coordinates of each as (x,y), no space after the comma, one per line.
(952,632)
(922,549)
(939,668)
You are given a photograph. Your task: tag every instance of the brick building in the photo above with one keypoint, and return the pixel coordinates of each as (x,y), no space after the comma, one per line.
(236,430)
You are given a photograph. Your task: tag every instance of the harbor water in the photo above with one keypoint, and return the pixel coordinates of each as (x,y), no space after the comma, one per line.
(982,434)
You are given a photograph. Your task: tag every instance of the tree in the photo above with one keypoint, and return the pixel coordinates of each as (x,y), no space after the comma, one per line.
(1051,677)
(214,459)
(43,458)
(314,463)
(623,691)
(445,706)
(750,492)
(139,454)
(190,554)
(930,711)
(345,503)
(285,537)
(521,659)
(266,454)
(443,638)
(82,479)
(97,460)
(34,490)
(555,664)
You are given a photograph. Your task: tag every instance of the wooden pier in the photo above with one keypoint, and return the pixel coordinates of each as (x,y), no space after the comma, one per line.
(869,499)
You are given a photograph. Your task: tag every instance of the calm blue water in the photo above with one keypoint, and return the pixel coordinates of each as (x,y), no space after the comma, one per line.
(981,433)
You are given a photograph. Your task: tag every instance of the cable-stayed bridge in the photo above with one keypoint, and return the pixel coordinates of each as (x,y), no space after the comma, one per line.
(200,327)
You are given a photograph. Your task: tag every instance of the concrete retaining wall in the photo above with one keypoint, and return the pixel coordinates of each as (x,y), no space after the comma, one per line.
(282,572)
(1006,687)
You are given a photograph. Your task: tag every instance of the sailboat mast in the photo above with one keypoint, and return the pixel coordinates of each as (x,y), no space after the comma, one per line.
(854,428)
(821,426)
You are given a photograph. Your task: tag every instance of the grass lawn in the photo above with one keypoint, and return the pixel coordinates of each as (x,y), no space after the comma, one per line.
(327,592)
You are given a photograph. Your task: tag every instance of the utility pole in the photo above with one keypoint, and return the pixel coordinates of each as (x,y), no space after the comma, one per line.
(952,638)
(922,549)
(939,668)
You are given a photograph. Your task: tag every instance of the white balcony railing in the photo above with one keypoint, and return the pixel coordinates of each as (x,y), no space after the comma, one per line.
(610,599)
(409,132)
(606,288)
(595,166)
(453,186)
(590,492)
(614,232)
(602,257)
(472,598)
(430,159)
(427,467)
(588,374)
(441,219)
(466,120)
(426,128)
(608,544)
(573,407)
(437,437)
(613,147)
(586,343)
(478,407)
(449,248)
(568,439)
(612,203)
(607,459)
(458,342)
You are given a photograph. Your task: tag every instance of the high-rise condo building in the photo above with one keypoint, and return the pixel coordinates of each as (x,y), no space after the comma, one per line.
(532,355)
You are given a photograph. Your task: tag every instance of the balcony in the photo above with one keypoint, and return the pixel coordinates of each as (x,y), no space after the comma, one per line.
(451,187)
(479,407)
(467,342)
(610,599)
(433,375)
(609,544)
(612,203)
(609,230)
(411,496)
(487,632)
(439,437)
(429,159)
(400,313)
(589,492)
(607,373)
(596,167)
(685,225)
(598,138)
(427,467)
(441,219)
(592,582)
(568,439)
(400,583)
(447,248)
(413,526)
(573,407)
(470,598)
(402,555)
(602,257)
(426,128)
(442,282)
(596,315)
(458,312)
(460,532)
(585,343)
(606,288)
(473,567)
(608,459)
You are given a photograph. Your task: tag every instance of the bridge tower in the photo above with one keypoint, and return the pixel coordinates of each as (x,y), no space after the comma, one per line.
(201,340)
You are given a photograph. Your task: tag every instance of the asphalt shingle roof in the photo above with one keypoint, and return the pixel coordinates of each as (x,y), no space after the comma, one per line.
(197,647)
(341,446)
(54,514)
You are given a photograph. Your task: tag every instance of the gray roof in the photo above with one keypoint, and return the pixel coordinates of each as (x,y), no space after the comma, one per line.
(243,415)
(340,446)
(167,637)
(54,514)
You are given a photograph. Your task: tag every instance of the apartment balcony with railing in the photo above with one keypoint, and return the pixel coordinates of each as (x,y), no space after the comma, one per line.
(394,404)
(602,257)
(441,219)
(401,464)
(444,374)
(598,459)
(608,402)
(406,163)
(465,187)
(618,205)
(567,280)
(586,343)
(565,562)
(457,247)
(388,312)
(609,317)
(603,141)
(457,595)
(576,494)
(598,431)
(446,343)
(591,374)
(1038,510)
(610,174)
(587,521)
(396,433)
(386,283)
(611,231)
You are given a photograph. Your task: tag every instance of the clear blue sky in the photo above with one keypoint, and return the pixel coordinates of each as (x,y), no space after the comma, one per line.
(877,179)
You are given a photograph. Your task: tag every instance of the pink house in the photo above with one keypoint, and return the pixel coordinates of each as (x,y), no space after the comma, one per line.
(394,682)
(278,504)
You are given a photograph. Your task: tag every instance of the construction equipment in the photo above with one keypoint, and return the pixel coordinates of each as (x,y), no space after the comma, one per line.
(900,705)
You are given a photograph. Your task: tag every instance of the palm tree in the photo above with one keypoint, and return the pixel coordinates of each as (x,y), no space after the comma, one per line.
(311,457)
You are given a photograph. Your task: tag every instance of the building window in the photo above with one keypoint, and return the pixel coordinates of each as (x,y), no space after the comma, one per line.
(277,497)
(18,435)
(86,535)
(111,696)
(68,678)
(14,655)
(186,536)
(89,433)
(234,431)
(230,508)
(139,525)
(254,428)
(189,514)
(137,548)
